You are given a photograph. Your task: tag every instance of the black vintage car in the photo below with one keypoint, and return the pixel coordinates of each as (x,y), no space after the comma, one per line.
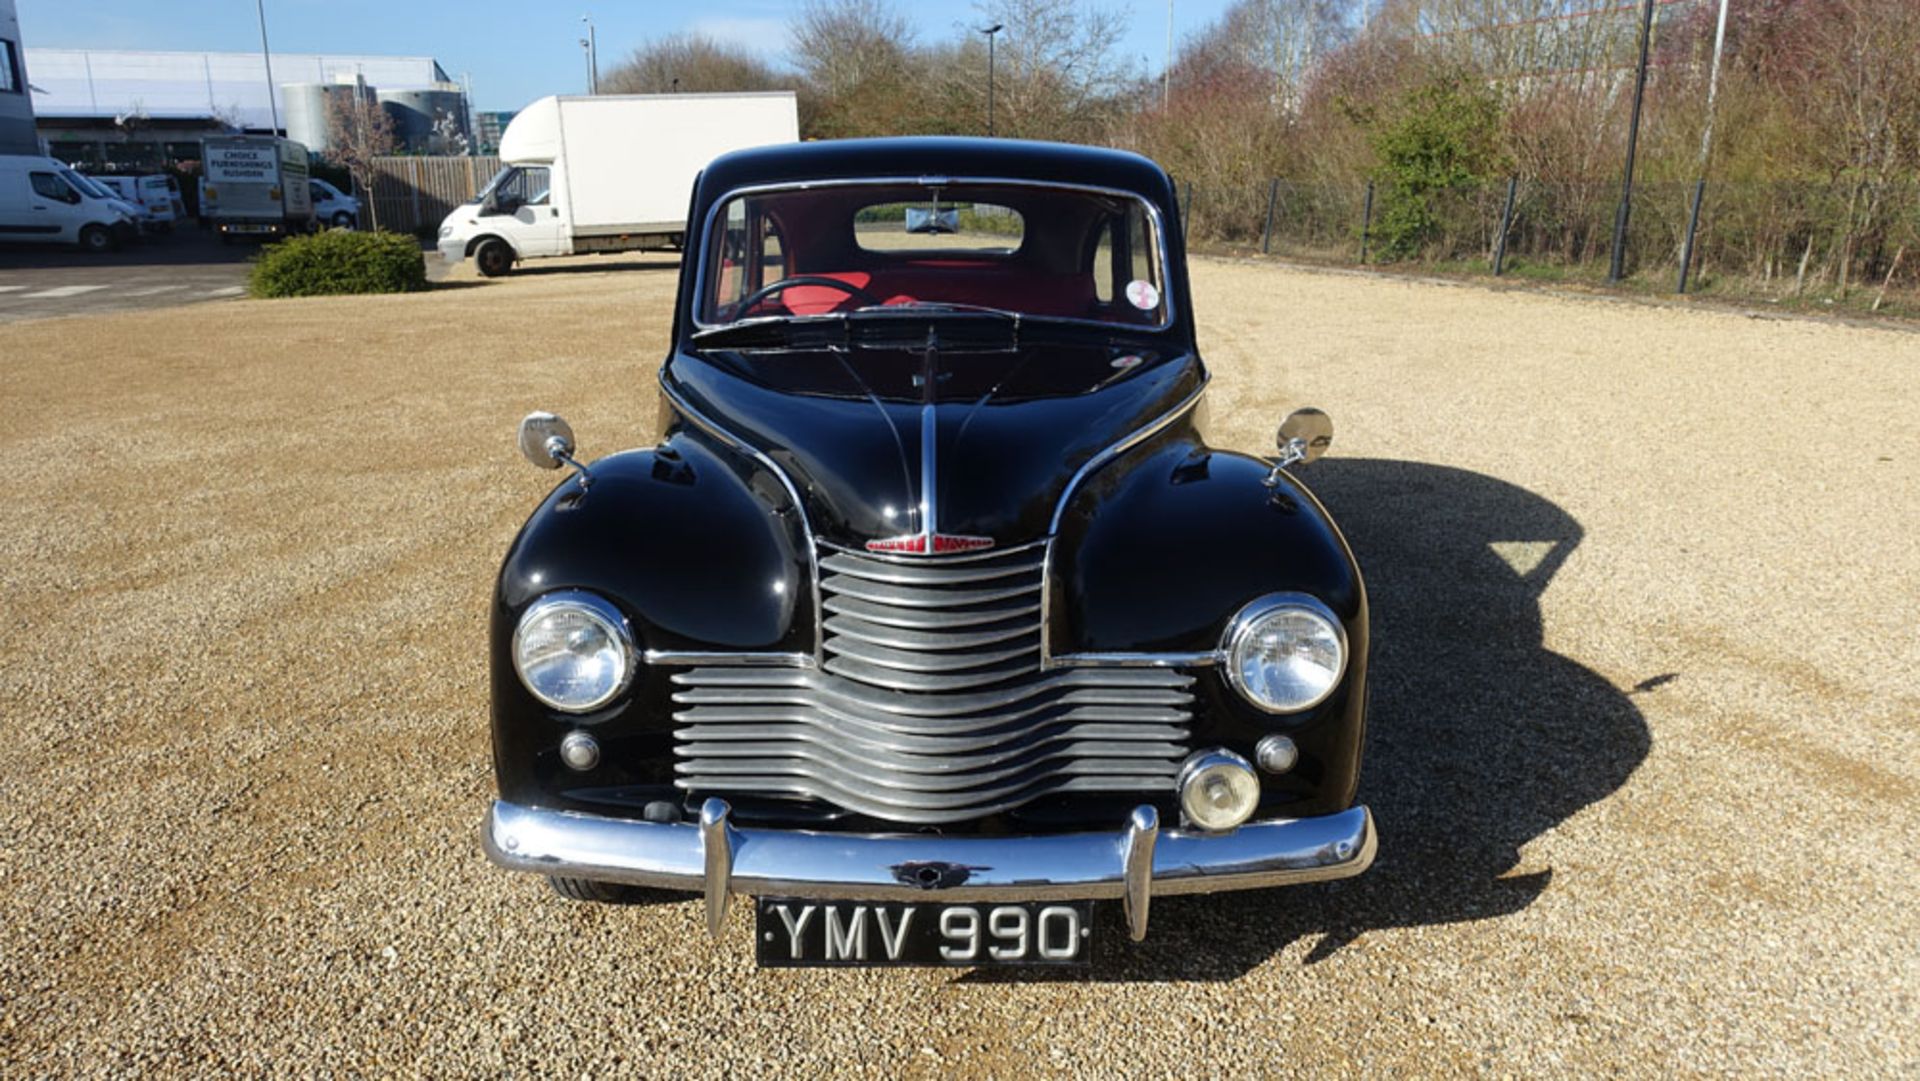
(932,617)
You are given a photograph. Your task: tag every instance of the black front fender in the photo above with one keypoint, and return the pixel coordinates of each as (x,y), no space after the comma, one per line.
(1156,554)
(700,551)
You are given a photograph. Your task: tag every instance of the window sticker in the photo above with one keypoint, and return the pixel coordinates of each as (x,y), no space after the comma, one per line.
(1142,294)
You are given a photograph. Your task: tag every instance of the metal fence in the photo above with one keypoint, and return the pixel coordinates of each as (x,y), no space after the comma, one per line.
(1780,239)
(413,194)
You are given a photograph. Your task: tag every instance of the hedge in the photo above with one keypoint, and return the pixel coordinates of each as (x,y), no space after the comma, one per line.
(339,261)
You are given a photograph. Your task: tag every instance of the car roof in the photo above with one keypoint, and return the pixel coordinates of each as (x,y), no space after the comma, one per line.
(1013,159)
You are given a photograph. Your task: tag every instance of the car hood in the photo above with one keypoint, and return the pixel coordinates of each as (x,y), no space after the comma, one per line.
(986,453)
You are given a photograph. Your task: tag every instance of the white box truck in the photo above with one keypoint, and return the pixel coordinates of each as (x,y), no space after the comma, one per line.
(256,185)
(606,173)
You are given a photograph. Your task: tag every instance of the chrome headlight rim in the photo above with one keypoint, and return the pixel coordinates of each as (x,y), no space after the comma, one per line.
(604,614)
(1249,617)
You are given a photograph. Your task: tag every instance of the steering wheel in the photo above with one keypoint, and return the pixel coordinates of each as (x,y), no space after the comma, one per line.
(748,302)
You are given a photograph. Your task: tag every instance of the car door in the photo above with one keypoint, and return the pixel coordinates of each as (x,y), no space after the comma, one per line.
(536,224)
(15,211)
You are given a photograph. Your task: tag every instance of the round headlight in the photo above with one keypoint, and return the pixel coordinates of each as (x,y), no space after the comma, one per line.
(573,651)
(1286,652)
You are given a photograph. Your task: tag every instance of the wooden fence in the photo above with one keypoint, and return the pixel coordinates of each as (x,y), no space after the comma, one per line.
(414,194)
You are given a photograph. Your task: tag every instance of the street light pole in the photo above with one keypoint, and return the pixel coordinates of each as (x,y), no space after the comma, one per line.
(1166,69)
(1618,262)
(990,32)
(266,58)
(1713,84)
(591,46)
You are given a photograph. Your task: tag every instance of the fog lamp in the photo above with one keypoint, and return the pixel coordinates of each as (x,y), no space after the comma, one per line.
(579,752)
(1218,790)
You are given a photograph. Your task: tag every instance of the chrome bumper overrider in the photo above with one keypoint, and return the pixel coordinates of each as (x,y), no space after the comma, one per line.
(719,859)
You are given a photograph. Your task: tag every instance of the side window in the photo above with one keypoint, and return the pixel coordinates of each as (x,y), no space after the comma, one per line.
(1140,244)
(10,80)
(537,185)
(1103,262)
(52,187)
(731,283)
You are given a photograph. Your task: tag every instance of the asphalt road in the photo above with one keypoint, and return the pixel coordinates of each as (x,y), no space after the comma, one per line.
(1642,745)
(186,266)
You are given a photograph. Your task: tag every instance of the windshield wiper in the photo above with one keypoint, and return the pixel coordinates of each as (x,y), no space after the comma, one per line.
(934,307)
(922,309)
(773,332)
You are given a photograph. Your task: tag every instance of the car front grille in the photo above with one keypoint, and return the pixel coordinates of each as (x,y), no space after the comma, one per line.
(930,704)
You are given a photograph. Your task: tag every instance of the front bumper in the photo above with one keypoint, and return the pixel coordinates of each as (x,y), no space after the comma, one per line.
(452,248)
(718,859)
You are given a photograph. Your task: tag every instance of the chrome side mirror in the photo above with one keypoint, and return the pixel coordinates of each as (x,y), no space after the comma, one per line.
(1304,436)
(546,440)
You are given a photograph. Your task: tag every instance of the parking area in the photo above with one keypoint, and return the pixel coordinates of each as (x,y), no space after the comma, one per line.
(1643,748)
(186,266)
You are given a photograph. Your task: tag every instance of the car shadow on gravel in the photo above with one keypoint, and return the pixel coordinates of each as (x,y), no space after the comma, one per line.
(1480,738)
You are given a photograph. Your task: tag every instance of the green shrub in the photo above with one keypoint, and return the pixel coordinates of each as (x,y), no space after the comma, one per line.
(1441,143)
(338,261)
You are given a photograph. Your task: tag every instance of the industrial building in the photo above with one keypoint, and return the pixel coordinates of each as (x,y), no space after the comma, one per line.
(488,126)
(135,108)
(17,134)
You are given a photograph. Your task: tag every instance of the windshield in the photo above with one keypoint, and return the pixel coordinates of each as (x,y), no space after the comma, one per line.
(87,184)
(1046,252)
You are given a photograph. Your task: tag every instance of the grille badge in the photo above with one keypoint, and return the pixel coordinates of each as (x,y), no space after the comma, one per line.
(936,544)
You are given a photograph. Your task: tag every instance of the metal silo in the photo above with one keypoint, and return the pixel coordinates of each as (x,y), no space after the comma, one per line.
(430,120)
(310,111)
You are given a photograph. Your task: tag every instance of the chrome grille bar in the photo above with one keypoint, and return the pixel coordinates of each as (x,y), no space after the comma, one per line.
(931,703)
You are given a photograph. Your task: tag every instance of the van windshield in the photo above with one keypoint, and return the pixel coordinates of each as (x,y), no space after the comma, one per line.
(87,184)
(1055,252)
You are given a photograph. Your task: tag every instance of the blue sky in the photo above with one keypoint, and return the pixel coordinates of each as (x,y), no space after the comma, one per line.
(514,50)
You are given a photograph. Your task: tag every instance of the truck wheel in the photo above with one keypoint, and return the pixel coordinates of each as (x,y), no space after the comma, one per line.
(493,257)
(586,889)
(343,220)
(95,239)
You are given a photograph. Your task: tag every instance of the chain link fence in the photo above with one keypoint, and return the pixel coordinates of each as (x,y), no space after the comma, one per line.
(1843,241)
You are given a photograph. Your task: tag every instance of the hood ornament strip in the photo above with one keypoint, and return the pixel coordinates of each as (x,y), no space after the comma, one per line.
(929,541)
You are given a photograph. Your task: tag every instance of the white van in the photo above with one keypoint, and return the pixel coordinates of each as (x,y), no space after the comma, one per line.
(331,206)
(150,193)
(44,202)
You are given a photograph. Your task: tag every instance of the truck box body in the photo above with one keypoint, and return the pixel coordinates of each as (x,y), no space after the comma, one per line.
(256,184)
(609,172)
(631,159)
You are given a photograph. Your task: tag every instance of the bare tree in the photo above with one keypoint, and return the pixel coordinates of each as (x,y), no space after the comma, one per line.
(358,131)
(691,64)
(1283,39)
(1058,72)
(861,72)
(450,134)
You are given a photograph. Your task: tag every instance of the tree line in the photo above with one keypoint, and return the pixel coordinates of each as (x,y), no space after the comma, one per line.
(1807,131)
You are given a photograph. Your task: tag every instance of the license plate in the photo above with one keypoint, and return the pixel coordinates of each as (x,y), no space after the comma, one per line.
(251,229)
(794,933)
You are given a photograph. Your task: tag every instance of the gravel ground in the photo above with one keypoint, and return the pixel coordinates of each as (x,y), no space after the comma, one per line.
(1644,751)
